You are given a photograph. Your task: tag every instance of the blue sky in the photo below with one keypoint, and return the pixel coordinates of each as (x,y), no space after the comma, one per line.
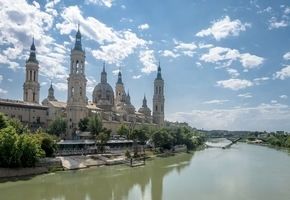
(226,64)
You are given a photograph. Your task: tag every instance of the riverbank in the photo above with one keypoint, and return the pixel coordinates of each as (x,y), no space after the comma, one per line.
(78,162)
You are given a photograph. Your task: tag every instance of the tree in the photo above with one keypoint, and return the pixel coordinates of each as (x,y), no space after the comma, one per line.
(58,126)
(16,123)
(95,126)
(47,143)
(30,149)
(3,121)
(142,136)
(123,130)
(103,138)
(162,138)
(9,151)
(83,124)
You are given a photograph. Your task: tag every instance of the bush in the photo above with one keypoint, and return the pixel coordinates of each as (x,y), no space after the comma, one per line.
(127,153)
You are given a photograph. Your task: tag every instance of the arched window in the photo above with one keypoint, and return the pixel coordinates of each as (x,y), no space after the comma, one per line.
(72,91)
(77,66)
(81,91)
(33,96)
(156,108)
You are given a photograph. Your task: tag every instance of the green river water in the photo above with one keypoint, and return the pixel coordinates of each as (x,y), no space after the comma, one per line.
(241,172)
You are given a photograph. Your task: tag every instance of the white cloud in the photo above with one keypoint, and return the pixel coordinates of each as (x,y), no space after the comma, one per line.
(1,78)
(233,72)
(246,95)
(61,86)
(258,80)
(107,3)
(287,56)
(204,46)
(223,28)
(274,101)
(115,46)
(287,10)
(258,118)
(234,84)
(262,79)
(225,56)
(167,53)
(283,96)
(148,60)
(143,26)
(186,46)
(137,77)
(3,91)
(198,64)
(268,9)
(215,102)
(251,61)
(273,23)
(283,74)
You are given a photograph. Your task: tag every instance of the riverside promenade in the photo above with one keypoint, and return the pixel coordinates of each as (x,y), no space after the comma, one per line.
(80,162)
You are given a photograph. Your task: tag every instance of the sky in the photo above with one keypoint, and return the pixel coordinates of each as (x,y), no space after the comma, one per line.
(225,64)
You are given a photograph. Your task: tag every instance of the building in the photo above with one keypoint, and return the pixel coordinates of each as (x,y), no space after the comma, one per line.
(113,108)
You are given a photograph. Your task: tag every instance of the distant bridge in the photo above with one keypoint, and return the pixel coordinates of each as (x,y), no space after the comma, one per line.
(234,140)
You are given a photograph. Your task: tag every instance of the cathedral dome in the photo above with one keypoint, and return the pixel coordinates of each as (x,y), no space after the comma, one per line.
(103,91)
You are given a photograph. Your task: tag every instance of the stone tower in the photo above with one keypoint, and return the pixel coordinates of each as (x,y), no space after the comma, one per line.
(119,88)
(76,96)
(31,86)
(50,96)
(158,99)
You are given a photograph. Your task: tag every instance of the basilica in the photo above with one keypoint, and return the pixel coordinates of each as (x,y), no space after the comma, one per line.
(114,107)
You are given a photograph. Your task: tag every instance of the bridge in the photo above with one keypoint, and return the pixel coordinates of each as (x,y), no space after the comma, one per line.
(234,140)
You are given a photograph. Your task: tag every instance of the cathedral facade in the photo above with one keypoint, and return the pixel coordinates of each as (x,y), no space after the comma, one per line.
(114,108)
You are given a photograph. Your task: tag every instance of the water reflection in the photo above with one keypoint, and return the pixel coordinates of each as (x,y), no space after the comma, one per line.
(114,182)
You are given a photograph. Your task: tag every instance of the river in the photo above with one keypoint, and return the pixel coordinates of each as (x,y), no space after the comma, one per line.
(243,171)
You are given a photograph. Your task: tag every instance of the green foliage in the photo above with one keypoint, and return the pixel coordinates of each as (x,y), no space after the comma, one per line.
(9,152)
(279,140)
(166,138)
(31,150)
(16,123)
(26,129)
(95,125)
(123,130)
(18,150)
(106,131)
(162,138)
(102,138)
(58,126)
(47,143)
(3,121)
(127,153)
(83,124)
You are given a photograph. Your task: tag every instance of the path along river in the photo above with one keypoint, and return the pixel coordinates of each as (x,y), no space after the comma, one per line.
(243,171)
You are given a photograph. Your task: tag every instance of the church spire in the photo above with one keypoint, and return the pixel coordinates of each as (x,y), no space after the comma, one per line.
(119,77)
(51,93)
(104,74)
(32,56)
(78,43)
(159,77)
(144,102)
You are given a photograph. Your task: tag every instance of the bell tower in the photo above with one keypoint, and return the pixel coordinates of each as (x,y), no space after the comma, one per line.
(119,88)
(31,86)
(76,96)
(158,99)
